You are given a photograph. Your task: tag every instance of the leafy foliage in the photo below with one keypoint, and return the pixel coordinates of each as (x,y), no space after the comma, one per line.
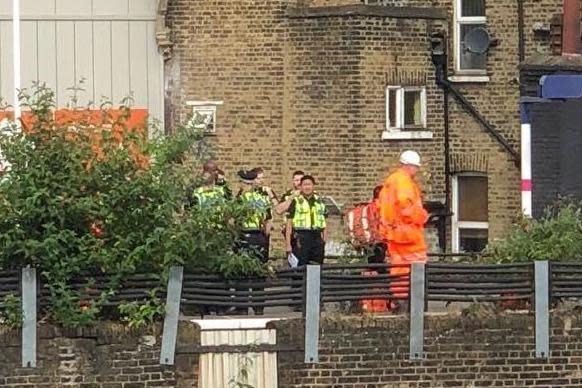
(555,236)
(12,313)
(139,315)
(85,194)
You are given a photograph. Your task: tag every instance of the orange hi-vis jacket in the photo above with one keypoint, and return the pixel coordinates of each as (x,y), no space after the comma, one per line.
(403,217)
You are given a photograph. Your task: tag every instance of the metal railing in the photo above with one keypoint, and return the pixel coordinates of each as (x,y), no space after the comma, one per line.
(537,285)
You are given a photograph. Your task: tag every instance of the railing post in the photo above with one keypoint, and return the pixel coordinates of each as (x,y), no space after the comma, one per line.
(542,309)
(170,333)
(28,317)
(417,298)
(312,301)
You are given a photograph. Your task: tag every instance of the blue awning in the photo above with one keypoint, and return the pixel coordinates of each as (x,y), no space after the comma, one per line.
(561,86)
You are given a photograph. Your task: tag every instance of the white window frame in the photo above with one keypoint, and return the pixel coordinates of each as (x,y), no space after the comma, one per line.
(457,225)
(459,21)
(397,131)
(205,108)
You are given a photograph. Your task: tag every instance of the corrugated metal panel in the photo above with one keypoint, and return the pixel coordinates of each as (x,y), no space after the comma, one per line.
(84,63)
(66,75)
(102,61)
(219,370)
(47,53)
(138,62)
(120,53)
(108,43)
(29,53)
(6,80)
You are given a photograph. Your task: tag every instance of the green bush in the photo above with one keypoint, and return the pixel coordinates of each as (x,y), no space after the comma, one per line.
(89,195)
(555,236)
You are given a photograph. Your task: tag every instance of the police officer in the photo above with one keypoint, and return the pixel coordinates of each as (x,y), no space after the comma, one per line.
(306,222)
(288,197)
(256,224)
(211,167)
(208,193)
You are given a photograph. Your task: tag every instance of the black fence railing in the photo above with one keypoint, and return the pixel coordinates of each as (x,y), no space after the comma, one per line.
(9,285)
(444,282)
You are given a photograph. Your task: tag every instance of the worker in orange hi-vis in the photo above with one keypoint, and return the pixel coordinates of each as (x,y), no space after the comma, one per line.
(402,220)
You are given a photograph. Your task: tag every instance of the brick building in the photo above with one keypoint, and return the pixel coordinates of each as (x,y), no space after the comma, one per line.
(339,88)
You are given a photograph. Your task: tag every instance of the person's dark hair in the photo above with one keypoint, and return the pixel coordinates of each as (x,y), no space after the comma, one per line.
(308,178)
(209,166)
(258,170)
(377,190)
(298,172)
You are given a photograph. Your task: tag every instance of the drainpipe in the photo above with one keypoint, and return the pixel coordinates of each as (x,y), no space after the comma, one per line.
(526,184)
(447,141)
(571,28)
(439,59)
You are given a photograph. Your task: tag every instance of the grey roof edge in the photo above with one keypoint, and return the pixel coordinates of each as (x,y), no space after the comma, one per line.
(367,10)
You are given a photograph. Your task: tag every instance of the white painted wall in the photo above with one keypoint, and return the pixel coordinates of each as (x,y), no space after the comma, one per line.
(109,43)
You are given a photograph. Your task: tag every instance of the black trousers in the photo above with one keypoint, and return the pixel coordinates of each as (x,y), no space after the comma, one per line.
(256,243)
(308,246)
(377,255)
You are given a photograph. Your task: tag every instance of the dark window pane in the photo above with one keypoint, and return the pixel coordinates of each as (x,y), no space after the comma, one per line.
(473,198)
(473,8)
(471,61)
(473,240)
(412,109)
(392,107)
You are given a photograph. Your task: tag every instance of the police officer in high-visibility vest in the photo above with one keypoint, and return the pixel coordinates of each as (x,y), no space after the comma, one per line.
(305,234)
(255,226)
(208,194)
(211,167)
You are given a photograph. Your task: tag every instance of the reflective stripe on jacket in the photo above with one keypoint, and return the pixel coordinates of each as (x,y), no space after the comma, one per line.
(308,217)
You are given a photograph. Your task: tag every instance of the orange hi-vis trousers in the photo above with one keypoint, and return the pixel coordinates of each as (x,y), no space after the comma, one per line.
(401,258)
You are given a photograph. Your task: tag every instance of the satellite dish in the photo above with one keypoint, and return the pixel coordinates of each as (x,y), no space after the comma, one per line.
(477,41)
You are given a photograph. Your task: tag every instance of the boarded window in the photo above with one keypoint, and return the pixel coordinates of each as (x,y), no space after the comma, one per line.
(473,198)
(470,220)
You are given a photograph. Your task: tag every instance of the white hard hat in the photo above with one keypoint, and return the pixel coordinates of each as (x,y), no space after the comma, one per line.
(410,157)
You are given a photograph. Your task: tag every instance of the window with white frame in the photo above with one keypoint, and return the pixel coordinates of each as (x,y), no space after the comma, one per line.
(405,107)
(470,221)
(469,15)
(204,115)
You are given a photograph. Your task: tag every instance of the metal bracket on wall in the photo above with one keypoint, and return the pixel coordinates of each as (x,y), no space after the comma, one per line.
(417,312)
(29,317)
(170,333)
(312,302)
(542,303)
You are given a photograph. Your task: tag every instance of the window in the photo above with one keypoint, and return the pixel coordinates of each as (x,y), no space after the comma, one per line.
(470,222)
(204,115)
(469,15)
(405,108)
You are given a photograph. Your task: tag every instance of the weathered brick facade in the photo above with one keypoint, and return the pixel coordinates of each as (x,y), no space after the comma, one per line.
(355,352)
(304,87)
(106,356)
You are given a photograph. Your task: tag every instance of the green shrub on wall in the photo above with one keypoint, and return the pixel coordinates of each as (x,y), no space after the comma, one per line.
(555,236)
(95,196)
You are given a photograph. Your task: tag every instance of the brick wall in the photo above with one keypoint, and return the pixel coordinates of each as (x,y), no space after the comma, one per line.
(477,350)
(108,356)
(308,92)
(481,351)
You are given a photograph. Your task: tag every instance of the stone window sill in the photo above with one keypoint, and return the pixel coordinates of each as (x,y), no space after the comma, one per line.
(472,78)
(406,135)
